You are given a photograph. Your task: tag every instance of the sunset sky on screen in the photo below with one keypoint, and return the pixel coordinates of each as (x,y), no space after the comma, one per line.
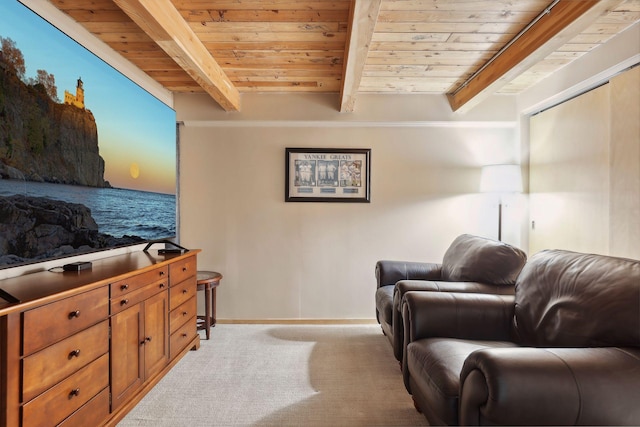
(134,128)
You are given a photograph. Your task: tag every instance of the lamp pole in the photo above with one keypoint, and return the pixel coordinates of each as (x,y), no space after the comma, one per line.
(500,179)
(500,220)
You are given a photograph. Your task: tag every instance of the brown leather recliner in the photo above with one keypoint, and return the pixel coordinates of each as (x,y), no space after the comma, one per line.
(470,264)
(564,350)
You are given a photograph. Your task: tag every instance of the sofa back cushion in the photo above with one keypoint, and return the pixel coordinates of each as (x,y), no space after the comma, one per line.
(569,299)
(477,259)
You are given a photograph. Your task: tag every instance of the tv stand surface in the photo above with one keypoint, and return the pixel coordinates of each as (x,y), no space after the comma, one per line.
(83,347)
(8,297)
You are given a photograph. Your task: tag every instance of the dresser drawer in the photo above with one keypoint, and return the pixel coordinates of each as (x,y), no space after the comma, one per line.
(138,281)
(92,413)
(123,302)
(182,337)
(181,314)
(182,292)
(48,324)
(47,367)
(60,401)
(181,270)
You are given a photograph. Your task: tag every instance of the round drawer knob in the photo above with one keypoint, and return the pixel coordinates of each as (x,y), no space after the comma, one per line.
(74,392)
(74,353)
(73,314)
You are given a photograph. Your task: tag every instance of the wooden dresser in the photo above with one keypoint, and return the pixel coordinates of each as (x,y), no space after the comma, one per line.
(82,348)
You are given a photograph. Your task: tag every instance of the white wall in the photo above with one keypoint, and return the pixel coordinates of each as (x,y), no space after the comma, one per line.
(316,260)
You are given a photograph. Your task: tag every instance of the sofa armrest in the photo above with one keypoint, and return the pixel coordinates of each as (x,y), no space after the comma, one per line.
(389,272)
(551,386)
(454,315)
(457,315)
(404,286)
(397,325)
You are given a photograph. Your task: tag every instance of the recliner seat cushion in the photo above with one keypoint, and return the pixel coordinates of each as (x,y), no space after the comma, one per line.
(570,299)
(477,259)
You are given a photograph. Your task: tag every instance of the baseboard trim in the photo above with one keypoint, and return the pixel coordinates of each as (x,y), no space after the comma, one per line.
(298,321)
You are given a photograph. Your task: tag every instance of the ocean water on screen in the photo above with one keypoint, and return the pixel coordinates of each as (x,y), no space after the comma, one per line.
(118,212)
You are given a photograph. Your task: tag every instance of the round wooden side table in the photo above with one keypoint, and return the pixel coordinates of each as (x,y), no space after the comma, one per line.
(208,281)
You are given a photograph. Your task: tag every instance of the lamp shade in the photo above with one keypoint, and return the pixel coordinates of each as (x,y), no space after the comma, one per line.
(501,179)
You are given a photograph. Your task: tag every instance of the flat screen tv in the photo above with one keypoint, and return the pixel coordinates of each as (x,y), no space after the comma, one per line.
(87,157)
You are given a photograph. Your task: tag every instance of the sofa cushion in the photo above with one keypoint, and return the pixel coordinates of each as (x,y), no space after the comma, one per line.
(477,259)
(569,299)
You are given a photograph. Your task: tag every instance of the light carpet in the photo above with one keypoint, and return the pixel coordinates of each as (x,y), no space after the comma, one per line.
(282,375)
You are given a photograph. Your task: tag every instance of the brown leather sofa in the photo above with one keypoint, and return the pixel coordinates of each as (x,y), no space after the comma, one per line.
(470,264)
(564,350)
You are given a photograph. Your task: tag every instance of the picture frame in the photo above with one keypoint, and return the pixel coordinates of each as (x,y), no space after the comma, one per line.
(328,175)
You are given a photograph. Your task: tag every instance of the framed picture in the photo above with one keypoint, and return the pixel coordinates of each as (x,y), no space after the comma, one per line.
(327,175)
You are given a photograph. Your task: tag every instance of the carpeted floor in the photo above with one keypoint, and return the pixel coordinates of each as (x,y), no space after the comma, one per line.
(282,375)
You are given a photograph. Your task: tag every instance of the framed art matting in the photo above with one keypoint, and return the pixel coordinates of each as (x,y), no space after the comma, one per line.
(327,175)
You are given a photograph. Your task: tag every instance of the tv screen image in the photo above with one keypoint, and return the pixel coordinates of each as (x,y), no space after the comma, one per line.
(87,157)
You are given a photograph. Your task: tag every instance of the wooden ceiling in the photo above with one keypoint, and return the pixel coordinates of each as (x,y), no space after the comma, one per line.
(228,47)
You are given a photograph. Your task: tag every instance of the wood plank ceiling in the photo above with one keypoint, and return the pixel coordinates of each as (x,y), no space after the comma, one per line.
(229,47)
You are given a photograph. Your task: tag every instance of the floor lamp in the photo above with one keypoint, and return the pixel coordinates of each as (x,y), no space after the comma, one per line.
(501,179)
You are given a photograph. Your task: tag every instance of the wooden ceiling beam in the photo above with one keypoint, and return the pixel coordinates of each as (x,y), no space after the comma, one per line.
(363,16)
(565,20)
(164,24)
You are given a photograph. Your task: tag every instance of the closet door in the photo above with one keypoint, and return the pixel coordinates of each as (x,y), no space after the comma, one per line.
(585,171)
(569,175)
